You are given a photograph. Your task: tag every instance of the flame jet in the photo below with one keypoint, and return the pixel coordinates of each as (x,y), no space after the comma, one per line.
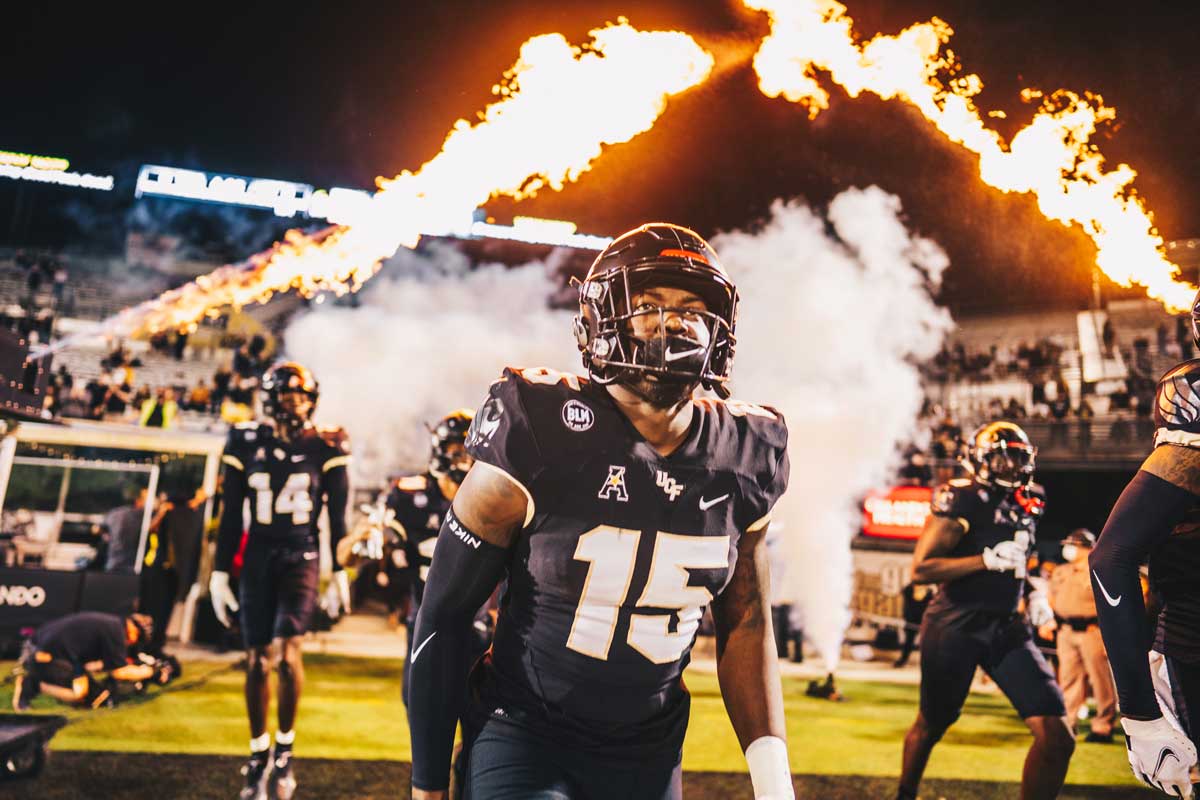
(558,106)
(1052,157)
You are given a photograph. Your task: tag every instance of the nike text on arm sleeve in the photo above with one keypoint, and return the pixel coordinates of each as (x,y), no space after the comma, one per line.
(1141,520)
(465,571)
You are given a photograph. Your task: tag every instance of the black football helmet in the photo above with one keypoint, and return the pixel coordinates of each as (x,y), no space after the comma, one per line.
(657,254)
(450,430)
(1000,454)
(281,378)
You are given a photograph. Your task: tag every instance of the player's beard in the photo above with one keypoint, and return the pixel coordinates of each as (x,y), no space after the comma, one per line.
(662,394)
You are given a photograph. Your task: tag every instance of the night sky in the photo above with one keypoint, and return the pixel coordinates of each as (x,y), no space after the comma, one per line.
(335,94)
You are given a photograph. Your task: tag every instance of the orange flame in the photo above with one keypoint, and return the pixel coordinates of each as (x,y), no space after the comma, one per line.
(1052,157)
(559,105)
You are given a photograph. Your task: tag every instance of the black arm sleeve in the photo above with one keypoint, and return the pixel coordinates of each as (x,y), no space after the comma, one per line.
(337,494)
(464,573)
(1142,519)
(229,534)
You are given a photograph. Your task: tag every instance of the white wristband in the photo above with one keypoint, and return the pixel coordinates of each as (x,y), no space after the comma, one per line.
(770,774)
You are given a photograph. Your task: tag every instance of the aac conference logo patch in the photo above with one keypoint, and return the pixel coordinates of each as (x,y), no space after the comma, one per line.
(577,416)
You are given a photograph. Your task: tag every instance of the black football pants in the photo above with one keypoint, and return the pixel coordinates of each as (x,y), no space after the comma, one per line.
(955,642)
(1185,686)
(509,762)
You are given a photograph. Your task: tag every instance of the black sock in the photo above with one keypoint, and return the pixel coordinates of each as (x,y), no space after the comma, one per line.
(906,794)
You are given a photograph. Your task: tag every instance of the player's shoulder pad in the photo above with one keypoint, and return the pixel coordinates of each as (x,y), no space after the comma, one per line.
(521,395)
(243,435)
(537,381)
(243,439)
(335,438)
(525,419)
(751,440)
(762,423)
(1177,398)
(957,498)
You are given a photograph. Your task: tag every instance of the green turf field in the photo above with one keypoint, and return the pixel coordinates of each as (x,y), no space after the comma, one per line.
(351,710)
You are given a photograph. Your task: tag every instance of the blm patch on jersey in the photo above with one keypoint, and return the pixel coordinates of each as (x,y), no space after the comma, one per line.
(577,416)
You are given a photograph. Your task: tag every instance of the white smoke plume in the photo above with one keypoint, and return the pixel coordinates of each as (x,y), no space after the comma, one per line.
(836,310)
(430,336)
(830,330)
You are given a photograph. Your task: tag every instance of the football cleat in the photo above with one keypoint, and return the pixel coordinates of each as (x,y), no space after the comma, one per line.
(283,779)
(256,771)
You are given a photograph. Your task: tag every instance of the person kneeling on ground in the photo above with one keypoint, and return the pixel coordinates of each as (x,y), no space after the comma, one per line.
(64,657)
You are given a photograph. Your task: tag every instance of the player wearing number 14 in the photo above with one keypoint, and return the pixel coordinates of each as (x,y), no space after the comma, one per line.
(618,506)
(284,469)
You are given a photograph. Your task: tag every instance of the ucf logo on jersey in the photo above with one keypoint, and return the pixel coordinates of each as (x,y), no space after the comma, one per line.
(669,485)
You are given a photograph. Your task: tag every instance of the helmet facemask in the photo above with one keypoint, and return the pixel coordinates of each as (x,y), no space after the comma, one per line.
(449,457)
(1006,464)
(666,365)
(283,389)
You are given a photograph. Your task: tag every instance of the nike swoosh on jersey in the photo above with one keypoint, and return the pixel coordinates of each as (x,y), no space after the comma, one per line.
(297,458)
(1107,596)
(417,652)
(672,355)
(705,505)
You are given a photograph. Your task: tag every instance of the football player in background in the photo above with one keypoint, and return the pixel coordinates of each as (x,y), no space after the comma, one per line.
(65,656)
(1157,518)
(288,470)
(414,509)
(976,544)
(618,506)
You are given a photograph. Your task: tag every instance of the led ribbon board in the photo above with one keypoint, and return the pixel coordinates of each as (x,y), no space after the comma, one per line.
(337,205)
(285,198)
(49,169)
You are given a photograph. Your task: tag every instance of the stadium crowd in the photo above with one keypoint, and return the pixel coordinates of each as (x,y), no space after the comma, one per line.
(111,395)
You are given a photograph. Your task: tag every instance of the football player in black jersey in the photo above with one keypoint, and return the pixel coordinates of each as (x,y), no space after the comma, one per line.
(976,544)
(414,508)
(618,506)
(1157,518)
(287,470)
